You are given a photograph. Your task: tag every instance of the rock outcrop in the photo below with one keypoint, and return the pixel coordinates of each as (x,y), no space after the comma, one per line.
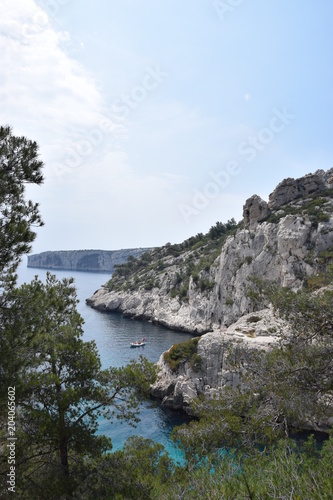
(254,331)
(83,260)
(218,351)
(292,189)
(255,210)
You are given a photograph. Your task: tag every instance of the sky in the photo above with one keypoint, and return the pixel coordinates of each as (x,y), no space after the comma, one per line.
(157,118)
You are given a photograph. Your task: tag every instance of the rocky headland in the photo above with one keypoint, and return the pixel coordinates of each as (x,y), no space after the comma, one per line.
(202,285)
(83,260)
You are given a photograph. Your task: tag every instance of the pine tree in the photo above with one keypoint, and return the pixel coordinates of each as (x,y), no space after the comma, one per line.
(19,166)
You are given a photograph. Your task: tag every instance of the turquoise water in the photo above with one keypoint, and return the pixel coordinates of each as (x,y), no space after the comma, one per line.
(113,335)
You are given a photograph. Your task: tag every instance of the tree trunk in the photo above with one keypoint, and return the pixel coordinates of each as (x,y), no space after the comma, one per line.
(64,457)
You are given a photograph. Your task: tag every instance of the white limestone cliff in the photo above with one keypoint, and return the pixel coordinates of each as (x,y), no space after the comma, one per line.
(83,260)
(282,241)
(273,252)
(285,250)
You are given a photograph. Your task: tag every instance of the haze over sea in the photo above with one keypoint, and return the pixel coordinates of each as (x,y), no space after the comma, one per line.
(113,335)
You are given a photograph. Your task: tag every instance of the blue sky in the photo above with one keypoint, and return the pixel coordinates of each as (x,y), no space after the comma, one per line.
(155,119)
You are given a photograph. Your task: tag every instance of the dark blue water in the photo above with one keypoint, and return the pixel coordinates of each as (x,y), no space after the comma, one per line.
(113,335)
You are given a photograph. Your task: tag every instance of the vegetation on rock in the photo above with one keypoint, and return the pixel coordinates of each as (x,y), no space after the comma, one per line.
(318,209)
(178,263)
(185,351)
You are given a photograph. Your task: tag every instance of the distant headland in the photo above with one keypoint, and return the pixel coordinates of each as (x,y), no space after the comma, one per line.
(83,260)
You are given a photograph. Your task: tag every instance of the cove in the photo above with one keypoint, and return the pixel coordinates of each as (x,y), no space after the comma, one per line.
(113,334)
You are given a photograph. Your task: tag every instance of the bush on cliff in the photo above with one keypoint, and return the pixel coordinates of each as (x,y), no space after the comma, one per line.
(180,353)
(194,257)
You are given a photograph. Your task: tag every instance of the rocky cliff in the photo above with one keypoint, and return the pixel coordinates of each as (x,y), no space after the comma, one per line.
(221,361)
(83,260)
(216,350)
(202,283)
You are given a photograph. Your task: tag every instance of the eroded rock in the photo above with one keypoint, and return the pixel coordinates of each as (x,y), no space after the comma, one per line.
(255,210)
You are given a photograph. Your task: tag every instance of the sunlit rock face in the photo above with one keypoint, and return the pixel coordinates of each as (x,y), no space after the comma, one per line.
(292,189)
(280,241)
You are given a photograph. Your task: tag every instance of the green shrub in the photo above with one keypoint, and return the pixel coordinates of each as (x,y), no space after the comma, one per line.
(322,217)
(326,256)
(253,319)
(206,285)
(198,245)
(183,293)
(182,352)
(195,362)
(195,277)
(149,285)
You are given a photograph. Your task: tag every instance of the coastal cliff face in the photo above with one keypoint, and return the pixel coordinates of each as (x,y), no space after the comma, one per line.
(83,260)
(196,288)
(203,284)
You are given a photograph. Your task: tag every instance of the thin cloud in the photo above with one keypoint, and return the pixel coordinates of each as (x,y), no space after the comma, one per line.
(43,84)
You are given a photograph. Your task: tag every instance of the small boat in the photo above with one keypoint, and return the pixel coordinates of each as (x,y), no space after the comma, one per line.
(138,344)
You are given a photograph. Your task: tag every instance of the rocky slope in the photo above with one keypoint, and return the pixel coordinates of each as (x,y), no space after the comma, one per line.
(83,260)
(202,284)
(217,352)
(177,388)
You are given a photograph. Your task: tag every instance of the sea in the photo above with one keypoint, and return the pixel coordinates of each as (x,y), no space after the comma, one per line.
(113,334)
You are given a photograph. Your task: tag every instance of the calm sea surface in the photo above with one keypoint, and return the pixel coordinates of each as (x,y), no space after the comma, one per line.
(113,335)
